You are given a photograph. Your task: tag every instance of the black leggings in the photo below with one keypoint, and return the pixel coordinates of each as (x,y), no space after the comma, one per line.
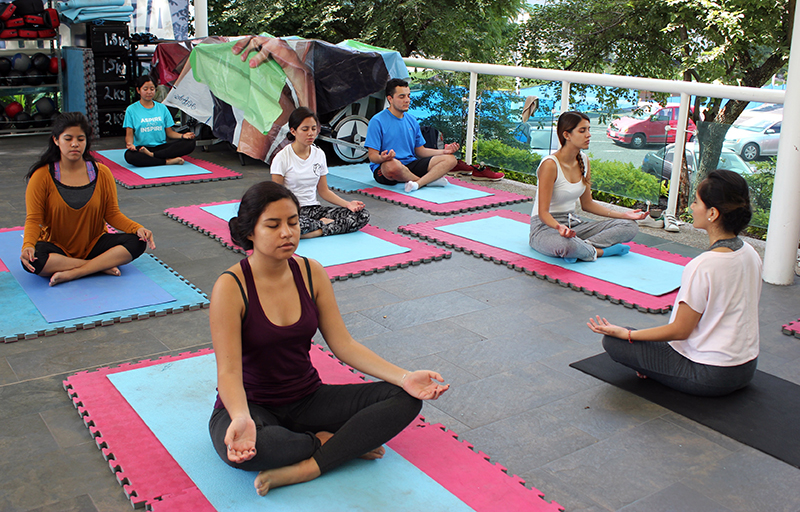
(662,363)
(362,417)
(172,149)
(131,242)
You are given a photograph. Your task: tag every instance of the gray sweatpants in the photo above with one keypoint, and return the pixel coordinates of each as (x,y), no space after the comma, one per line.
(662,363)
(590,234)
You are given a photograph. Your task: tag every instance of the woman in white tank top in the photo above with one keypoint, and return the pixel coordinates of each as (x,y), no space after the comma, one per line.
(563,177)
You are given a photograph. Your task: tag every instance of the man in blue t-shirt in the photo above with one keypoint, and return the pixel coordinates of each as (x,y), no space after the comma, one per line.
(397,151)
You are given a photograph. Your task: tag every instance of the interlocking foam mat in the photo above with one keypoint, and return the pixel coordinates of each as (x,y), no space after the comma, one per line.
(146,288)
(763,415)
(792,329)
(528,261)
(344,256)
(193,170)
(457,197)
(425,467)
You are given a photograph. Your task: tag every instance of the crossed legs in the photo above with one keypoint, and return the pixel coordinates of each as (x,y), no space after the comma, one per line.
(422,171)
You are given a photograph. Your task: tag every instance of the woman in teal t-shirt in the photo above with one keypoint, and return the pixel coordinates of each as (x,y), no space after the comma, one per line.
(148,125)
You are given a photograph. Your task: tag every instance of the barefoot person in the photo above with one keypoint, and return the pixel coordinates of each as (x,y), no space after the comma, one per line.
(564,178)
(69,200)
(148,125)
(397,152)
(273,414)
(302,168)
(712,338)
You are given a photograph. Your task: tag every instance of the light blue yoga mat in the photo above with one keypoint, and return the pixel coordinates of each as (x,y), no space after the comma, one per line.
(635,271)
(356,177)
(328,250)
(159,171)
(175,400)
(91,295)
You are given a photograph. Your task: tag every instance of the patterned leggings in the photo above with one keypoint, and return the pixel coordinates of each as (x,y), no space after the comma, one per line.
(344,221)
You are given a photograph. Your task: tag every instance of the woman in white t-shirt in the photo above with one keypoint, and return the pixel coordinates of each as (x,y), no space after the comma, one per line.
(712,337)
(301,168)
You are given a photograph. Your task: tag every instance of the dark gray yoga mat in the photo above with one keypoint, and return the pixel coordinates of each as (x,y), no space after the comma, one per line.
(764,415)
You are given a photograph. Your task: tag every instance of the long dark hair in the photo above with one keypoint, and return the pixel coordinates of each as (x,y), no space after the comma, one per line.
(140,81)
(253,204)
(297,117)
(52,154)
(727,191)
(567,122)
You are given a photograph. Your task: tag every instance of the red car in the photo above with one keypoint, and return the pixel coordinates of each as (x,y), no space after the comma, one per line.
(647,128)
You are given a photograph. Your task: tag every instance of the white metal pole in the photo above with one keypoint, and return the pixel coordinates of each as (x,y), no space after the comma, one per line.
(784,221)
(677,157)
(473,88)
(200,18)
(565,96)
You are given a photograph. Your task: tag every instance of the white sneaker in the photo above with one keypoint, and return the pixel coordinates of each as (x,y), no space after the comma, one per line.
(441,182)
(650,222)
(671,223)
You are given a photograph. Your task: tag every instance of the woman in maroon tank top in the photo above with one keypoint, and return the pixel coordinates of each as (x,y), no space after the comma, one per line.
(273,414)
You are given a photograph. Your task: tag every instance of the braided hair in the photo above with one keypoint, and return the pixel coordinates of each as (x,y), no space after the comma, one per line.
(567,122)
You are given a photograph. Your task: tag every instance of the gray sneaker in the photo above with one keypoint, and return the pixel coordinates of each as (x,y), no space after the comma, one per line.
(671,223)
(650,222)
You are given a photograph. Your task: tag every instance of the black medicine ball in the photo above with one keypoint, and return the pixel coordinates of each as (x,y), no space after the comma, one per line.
(41,62)
(23,121)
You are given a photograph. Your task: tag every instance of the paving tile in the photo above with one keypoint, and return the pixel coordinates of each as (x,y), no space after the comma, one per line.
(356,298)
(82,503)
(673,498)
(604,411)
(636,463)
(187,330)
(32,396)
(554,489)
(431,279)
(62,424)
(423,310)
(109,345)
(434,415)
(561,363)
(506,394)
(528,440)
(452,374)
(748,480)
(361,326)
(7,375)
(25,437)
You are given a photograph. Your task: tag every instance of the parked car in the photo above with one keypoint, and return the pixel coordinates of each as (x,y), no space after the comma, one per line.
(648,128)
(659,163)
(541,138)
(755,136)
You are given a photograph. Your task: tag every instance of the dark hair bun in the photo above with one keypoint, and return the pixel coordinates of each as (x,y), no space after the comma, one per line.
(238,237)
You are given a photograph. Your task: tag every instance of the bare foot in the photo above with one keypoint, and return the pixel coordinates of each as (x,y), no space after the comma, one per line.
(377,453)
(113,271)
(62,277)
(287,475)
(145,151)
(175,161)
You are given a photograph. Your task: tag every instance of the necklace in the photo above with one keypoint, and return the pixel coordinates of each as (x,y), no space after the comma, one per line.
(733,244)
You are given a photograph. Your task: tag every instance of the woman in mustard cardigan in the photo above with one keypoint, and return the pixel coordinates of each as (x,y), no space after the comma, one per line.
(69,200)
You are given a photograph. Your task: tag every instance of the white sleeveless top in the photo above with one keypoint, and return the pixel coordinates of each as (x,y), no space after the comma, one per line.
(565,194)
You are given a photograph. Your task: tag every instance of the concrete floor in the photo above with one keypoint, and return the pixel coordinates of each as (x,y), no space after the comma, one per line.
(502,339)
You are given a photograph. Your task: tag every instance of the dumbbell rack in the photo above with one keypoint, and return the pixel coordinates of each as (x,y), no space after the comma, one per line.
(31,47)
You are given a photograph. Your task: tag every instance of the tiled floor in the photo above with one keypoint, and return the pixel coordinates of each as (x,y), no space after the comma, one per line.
(503,339)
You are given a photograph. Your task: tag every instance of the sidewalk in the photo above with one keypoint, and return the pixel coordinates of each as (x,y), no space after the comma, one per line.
(502,339)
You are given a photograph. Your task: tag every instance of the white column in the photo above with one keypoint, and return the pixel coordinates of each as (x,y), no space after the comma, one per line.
(471,102)
(200,18)
(565,96)
(677,157)
(784,220)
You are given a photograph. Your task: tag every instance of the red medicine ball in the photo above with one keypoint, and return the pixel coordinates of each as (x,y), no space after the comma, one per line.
(13,109)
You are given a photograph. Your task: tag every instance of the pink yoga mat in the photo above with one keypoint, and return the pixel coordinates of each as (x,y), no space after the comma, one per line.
(132,450)
(129,179)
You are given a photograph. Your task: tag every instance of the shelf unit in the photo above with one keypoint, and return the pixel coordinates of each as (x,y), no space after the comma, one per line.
(50,47)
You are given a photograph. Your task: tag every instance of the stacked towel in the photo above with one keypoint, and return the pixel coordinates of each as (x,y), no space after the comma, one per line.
(79,11)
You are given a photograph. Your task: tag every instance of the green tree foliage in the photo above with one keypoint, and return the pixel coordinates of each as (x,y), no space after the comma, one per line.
(736,42)
(475,30)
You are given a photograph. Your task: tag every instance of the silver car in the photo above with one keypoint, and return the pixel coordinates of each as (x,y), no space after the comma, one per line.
(755,136)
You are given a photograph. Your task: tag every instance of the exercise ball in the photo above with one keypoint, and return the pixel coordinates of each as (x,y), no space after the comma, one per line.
(15,78)
(21,62)
(13,109)
(5,66)
(55,62)
(23,121)
(45,106)
(34,77)
(40,121)
(41,62)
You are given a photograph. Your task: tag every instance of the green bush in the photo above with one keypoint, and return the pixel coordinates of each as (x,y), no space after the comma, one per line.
(624,179)
(496,154)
